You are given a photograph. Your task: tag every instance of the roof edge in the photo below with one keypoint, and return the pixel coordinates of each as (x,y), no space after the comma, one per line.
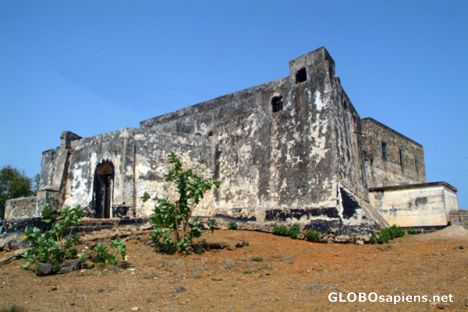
(410,186)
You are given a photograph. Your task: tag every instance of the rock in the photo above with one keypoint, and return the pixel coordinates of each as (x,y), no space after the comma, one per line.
(359,242)
(384,248)
(287,259)
(15,255)
(87,264)
(8,242)
(135,308)
(69,266)
(180,290)
(242,243)
(216,279)
(43,268)
(441,305)
(228,264)
(216,245)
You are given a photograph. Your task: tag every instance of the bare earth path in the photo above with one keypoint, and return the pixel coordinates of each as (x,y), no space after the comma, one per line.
(292,275)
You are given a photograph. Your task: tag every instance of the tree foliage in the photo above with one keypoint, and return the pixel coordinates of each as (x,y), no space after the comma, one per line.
(13,184)
(174,229)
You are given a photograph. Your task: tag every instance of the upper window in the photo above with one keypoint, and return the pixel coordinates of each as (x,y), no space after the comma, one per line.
(277,103)
(384,150)
(301,75)
(401,158)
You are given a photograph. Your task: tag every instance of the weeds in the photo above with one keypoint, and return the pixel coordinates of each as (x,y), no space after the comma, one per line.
(387,234)
(312,236)
(283,230)
(232,225)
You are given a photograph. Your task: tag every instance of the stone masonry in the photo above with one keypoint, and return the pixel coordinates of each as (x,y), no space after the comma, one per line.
(293,150)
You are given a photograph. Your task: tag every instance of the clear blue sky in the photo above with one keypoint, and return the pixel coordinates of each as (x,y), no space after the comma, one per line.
(100,65)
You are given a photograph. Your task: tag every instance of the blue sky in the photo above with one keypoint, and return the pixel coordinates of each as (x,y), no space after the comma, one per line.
(97,66)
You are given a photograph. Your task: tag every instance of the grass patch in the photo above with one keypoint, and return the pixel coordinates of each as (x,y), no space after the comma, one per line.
(386,235)
(257,258)
(312,236)
(232,225)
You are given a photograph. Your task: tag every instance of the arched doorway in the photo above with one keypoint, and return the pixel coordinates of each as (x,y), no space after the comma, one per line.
(103,189)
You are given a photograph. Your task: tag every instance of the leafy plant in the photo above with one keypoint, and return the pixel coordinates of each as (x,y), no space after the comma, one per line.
(312,235)
(413,231)
(283,230)
(257,259)
(56,244)
(387,234)
(232,225)
(280,230)
(294,231)
(174,230)
(109,254)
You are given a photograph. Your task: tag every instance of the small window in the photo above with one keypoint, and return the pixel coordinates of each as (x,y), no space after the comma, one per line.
(401,159)
(416,165)
(301,75)
(345,104)
(384,150)
(277,104)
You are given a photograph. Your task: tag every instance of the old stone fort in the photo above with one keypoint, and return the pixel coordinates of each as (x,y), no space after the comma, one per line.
(294,150)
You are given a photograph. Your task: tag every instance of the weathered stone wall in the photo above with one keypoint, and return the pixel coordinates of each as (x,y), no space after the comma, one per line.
(459,217)
(419,205)
(285,151)
(279,166)
(404,163)
(22,208)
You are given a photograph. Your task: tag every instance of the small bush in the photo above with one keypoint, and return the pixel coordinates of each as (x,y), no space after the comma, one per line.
(232,225)
(109,254)
(294,231)
(413,231)
(257,259)
(280,230)
(312,235)
(57,244)
(386,235)
(173,226)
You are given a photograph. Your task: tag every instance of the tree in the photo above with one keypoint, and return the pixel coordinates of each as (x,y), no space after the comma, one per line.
(13,184)
(173,228)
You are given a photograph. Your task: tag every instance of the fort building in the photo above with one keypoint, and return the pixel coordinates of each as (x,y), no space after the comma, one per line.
(294,150)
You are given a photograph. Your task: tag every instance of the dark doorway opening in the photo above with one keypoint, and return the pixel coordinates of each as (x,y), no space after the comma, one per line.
(103,189)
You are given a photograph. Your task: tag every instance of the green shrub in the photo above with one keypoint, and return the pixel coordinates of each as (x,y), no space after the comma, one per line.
(56,244)
(294,231)
(173,228)
(232,225)
(312,235)
(280,230)
(387,234)
(109,254)
(257,259)
(413,231)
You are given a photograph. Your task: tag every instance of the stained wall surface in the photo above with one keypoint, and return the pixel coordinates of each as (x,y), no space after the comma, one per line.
(421,205)
(391,158)
(285,151)
(293,150)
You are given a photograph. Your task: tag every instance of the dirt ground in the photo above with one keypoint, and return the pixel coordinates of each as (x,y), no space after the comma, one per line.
(288,275)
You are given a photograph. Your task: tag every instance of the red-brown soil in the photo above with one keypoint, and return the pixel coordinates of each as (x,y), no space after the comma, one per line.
(292,275)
